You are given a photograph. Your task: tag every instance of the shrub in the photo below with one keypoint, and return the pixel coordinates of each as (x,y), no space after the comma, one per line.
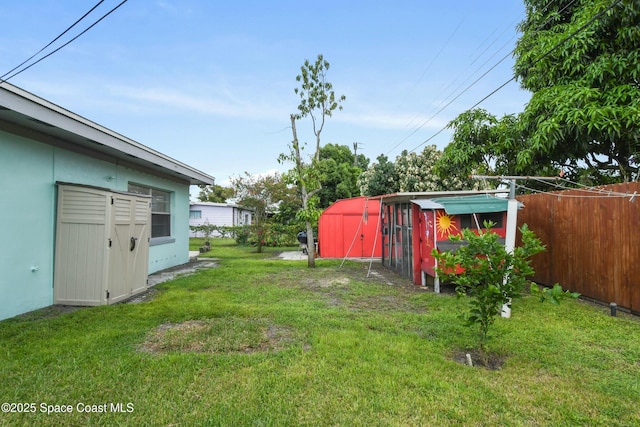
(490,275)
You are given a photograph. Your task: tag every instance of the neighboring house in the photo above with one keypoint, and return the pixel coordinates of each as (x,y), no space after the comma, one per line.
(100,209)
(221,214)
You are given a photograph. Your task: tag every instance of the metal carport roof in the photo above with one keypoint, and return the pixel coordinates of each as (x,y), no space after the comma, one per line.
(483,203)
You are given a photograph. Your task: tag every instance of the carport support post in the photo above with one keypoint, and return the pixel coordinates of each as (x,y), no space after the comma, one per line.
(436,279)
(510,237)
(512,219)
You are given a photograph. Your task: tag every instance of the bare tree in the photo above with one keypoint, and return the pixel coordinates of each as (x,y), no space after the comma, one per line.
(318,102)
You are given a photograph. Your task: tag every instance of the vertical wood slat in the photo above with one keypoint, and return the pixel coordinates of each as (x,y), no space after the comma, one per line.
(593,243)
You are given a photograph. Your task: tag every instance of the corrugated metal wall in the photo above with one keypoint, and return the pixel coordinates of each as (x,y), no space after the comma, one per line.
(350,228)
(592,239)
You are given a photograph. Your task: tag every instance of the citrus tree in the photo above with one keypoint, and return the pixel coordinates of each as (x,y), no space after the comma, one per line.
(491,276)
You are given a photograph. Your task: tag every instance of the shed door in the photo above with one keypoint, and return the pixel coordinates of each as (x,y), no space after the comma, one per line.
(129,251)
(81,246)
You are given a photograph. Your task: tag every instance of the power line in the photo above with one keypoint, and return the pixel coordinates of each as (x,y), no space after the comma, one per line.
(471,85)
(434,58)
(51,42)
(557,45)
(67,43)
(459,95)
(474,72)
(425,122)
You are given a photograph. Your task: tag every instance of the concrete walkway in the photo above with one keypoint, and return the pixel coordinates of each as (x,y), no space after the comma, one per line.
(293,256)
(180,270)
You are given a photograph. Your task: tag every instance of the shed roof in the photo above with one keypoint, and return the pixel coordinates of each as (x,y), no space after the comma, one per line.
(404,197)
(465,204)
(26,114)
(353,205)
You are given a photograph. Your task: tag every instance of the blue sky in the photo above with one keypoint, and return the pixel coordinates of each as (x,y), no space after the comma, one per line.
(211,83)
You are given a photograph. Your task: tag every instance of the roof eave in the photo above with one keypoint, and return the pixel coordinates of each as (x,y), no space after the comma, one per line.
(34,113)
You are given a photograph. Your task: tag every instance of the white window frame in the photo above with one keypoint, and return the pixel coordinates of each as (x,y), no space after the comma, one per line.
(158,210)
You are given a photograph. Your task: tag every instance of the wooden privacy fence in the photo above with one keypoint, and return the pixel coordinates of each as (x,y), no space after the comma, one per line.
(592,238)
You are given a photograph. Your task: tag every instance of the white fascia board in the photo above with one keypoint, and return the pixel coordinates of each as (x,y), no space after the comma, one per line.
(34,107)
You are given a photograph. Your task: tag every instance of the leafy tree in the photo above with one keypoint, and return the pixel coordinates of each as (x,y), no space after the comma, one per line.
(317,102)
(477,147)
(411,172)
(491,276)
(339,172)
(288,205)
(416,172)
(380,178)
(485,145)
(215,193)
(581,60)
(260,193)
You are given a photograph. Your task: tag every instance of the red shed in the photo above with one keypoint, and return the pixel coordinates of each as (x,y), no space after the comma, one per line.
(350,228)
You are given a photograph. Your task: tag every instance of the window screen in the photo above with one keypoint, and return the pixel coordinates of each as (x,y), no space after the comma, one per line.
(160,209)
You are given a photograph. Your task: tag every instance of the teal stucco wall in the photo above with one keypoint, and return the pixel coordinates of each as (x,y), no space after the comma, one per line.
(27,224)
(28,173)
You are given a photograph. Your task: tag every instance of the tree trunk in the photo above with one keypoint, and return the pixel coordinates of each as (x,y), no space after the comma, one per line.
(260,234)
(311,247)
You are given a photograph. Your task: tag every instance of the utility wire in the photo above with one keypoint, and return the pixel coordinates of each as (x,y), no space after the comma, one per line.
(433,60)
(425,122)
(67,43)
(557,45)
(553,182)
(472,84)
(582,187)
(454,99)
(592,194)
(51,42)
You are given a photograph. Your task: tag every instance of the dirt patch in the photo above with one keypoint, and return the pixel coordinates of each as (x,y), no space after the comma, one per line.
(336,287)
(219,335)
(362,272)
(490,361)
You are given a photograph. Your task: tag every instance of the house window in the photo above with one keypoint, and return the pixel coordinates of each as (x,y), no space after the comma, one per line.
(195,214)
(160,209)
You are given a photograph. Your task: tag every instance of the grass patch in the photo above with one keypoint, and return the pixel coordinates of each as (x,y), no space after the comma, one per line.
(261,341)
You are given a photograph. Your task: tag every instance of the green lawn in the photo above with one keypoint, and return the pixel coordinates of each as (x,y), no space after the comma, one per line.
(264,342)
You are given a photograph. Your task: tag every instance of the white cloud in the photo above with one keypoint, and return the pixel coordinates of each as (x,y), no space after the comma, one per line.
(219,102)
